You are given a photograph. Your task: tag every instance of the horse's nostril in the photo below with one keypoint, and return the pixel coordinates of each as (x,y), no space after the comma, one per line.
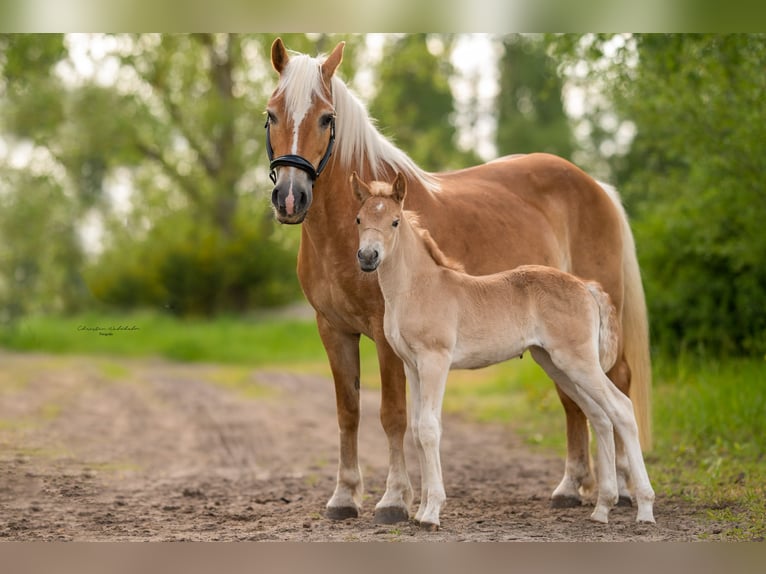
(375,254)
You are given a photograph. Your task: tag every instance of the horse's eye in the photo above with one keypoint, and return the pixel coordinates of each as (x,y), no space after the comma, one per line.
(270,118)
(395,223)
(326,120)
(358,221)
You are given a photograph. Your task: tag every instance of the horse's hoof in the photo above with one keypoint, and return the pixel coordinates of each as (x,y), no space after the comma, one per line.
(429,526)
(565,501)
(599,517)
(624,501)
(391,515)
(341,512)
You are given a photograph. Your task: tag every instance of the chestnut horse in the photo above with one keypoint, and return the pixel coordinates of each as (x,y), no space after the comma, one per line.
(512,211)
(439,318)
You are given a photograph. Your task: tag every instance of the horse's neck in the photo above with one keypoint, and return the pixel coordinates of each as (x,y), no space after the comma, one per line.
(408,266)
(330,221)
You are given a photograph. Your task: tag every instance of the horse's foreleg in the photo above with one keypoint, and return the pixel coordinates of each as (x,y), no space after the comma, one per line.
(415,405)
(432,375)
(395,504)
(343,354)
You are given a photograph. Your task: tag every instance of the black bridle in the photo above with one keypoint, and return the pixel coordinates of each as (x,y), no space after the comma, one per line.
(297,161)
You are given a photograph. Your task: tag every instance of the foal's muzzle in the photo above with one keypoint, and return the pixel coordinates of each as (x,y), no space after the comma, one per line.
(369,259)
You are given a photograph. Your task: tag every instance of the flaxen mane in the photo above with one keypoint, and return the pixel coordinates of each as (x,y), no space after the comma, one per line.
(433,249)
(356,135)
(382,189)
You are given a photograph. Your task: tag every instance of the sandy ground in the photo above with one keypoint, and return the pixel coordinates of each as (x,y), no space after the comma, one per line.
(95,449)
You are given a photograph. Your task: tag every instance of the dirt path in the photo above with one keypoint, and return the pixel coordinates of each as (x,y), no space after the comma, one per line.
(115,450)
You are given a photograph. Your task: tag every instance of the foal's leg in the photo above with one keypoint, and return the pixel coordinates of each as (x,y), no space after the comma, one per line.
(415,407)
(620,410)
(607,476)
(619,374)
(432,370)
(396,501)
(343,354)
(578,476)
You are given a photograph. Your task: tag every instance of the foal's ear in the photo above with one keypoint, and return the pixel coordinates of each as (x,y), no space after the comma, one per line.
(279,55)
(360,189)
(399,188)
(332,62)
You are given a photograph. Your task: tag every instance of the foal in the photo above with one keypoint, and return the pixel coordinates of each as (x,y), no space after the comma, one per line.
(438,318)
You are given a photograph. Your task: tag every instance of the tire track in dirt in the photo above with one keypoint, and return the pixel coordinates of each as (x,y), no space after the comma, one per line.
(159,451)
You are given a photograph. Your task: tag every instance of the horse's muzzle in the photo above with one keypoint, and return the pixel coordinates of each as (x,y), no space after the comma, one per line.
(290,202)
(369,259)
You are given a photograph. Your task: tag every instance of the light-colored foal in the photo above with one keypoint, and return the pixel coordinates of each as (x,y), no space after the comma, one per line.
(438,318)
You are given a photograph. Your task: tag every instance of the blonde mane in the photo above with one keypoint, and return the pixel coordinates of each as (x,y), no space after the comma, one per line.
(432,247)
(355,133)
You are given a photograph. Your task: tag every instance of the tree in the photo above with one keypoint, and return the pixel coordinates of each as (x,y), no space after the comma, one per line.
(179,118)
(414,103)
(692,180)
(530,112)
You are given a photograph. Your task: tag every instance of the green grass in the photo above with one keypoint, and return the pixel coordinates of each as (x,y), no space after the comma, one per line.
(709,429)
(254,342)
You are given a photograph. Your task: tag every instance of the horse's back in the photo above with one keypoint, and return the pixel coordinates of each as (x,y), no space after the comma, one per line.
(523,209)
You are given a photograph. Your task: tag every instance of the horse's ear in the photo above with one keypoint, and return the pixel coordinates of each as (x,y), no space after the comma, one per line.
(361,191)
(331,63)
(399,188)
(279,55)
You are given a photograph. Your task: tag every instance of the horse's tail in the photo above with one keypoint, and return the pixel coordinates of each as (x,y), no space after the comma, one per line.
(635,328)
(609,326)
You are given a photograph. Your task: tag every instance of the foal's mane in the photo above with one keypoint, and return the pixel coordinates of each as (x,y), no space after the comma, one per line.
(431,246)
(381,189)
(355,133)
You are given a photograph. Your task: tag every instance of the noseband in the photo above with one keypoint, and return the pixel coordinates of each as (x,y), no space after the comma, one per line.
(297,161)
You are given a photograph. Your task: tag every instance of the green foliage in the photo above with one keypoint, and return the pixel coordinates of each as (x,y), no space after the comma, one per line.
(39,248)
(530,112)
(193,268)
(414,104)
(694,176)
(691,178)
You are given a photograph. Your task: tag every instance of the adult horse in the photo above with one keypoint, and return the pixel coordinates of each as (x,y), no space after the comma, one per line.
(533,209)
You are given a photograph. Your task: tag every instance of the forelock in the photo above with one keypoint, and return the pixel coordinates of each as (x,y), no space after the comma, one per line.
(300,80)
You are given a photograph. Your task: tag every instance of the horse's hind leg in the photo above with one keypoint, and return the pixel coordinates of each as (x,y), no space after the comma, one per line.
(343,354)
(395,503)
(619,374)
(578,474)
(578,477)
(620,410)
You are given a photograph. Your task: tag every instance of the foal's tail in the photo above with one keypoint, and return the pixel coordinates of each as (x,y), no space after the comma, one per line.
(609,326)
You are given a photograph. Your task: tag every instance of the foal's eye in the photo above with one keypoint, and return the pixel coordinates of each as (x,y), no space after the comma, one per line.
(395,223)
(358,221)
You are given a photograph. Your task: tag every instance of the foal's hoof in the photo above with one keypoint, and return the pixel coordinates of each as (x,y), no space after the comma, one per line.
(565,501)
(391,515)
(429,526)
(341,512)
(624,501)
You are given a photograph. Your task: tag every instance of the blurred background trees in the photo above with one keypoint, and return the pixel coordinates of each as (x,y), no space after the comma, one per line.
(133,175)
